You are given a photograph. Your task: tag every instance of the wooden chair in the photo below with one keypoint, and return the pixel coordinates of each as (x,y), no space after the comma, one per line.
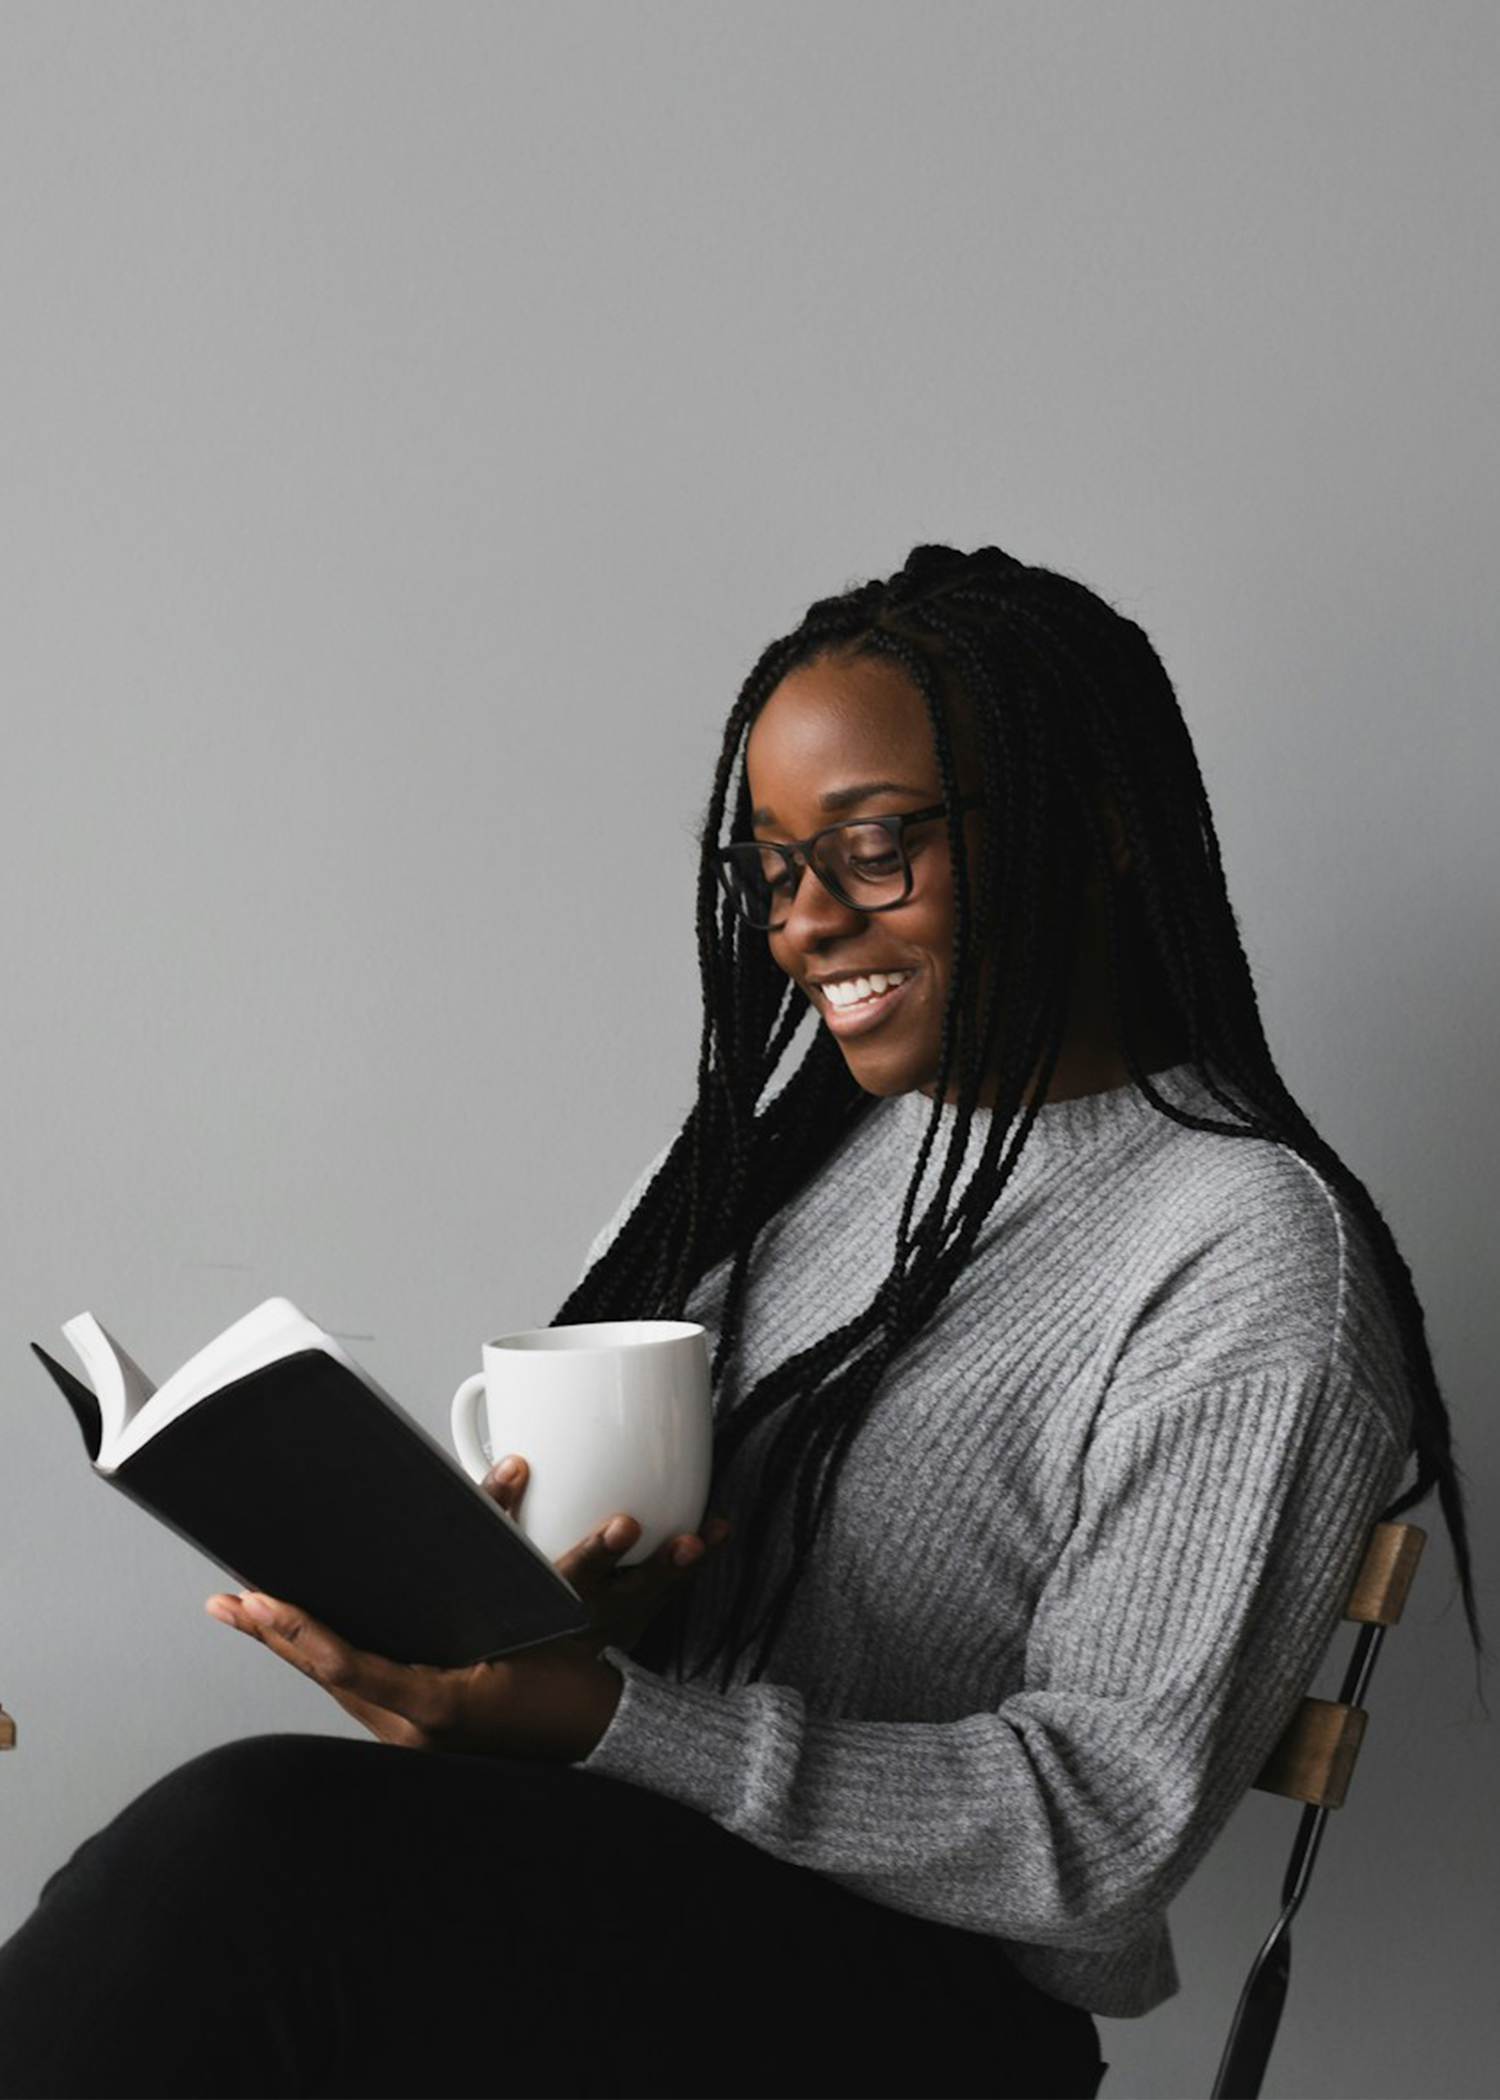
(1313,1763)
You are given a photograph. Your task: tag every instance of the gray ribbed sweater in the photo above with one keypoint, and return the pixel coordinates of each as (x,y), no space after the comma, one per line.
(1084,1554)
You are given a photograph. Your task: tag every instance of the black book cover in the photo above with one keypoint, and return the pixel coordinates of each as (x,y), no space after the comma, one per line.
(299,1481)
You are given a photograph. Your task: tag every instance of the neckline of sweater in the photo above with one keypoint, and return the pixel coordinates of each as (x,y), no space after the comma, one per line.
(1063,1128)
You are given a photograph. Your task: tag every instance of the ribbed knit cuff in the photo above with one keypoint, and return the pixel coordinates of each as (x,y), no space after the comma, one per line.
(707,1732)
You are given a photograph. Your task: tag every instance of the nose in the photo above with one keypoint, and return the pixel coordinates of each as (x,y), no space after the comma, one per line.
(815,916)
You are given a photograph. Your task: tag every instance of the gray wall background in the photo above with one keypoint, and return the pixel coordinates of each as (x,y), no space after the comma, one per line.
(415,418)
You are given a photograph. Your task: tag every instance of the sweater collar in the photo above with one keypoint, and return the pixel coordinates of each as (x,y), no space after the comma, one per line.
(1066,1128)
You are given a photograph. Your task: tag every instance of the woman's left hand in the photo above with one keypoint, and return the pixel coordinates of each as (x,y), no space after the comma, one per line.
(550,1702)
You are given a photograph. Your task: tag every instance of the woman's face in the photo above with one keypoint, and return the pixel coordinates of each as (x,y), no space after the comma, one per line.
(849,737)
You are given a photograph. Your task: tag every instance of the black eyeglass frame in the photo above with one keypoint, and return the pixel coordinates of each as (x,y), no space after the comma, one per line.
(798,854)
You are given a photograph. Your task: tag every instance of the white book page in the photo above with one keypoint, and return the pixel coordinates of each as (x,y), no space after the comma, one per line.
(133,1412)
(121,1387)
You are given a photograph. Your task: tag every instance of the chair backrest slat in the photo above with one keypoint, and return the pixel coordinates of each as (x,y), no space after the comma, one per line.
(1380,1588)
(1314,1761)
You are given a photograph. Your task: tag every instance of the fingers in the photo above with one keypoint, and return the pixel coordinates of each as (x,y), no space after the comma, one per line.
(311,1647)
(595,1557)
(397,1702)
(506,1482)
(696,1546)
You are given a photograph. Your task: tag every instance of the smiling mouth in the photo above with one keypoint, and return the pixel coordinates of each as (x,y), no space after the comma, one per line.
(843,994)
(852,1003)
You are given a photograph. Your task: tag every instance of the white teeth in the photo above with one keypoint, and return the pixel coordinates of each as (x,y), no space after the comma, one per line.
(853,991)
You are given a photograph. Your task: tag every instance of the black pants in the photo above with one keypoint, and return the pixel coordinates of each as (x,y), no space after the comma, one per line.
(315,1916)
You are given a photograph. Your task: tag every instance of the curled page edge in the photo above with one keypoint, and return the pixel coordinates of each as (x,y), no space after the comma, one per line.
(121,1387)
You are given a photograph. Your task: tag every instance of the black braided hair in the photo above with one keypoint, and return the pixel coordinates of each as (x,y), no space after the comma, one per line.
(1065,700)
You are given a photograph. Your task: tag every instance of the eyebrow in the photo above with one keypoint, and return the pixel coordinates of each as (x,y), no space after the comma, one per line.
(850,797)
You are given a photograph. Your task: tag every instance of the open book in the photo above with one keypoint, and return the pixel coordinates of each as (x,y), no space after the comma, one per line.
(273,1452)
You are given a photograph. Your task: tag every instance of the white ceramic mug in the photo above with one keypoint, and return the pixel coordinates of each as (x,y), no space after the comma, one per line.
(610,1416)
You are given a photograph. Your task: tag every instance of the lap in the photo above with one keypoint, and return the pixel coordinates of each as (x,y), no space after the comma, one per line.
(379,1920)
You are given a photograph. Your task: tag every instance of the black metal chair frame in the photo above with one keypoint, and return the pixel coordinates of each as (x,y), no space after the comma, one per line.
(1257,2017)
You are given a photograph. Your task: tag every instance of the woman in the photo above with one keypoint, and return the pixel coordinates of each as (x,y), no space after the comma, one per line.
(1061,1370)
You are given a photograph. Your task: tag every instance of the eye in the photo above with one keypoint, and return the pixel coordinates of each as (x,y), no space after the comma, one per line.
(775,871)
(870,852)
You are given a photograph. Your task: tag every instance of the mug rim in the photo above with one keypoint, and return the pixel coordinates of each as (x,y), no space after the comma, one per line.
(623,1334)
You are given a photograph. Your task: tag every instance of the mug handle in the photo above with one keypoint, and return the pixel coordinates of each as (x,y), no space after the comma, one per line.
(464,1420)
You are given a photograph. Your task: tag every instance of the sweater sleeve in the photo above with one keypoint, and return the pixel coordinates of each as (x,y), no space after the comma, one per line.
(1216,1536)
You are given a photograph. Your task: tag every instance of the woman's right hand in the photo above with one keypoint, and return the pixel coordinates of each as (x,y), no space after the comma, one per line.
(621,1602)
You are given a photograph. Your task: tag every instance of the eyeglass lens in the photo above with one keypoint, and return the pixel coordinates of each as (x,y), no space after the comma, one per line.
(863,863)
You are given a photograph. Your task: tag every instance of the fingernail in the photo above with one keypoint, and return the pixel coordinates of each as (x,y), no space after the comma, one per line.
(685,1552)
(507,1469)
(221,1609)
(617,1533)
(257,1607)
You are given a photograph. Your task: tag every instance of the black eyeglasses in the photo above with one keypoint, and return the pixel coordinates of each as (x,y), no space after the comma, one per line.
(863,862)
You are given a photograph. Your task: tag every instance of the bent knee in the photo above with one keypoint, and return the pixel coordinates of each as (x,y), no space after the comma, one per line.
(227,1818)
